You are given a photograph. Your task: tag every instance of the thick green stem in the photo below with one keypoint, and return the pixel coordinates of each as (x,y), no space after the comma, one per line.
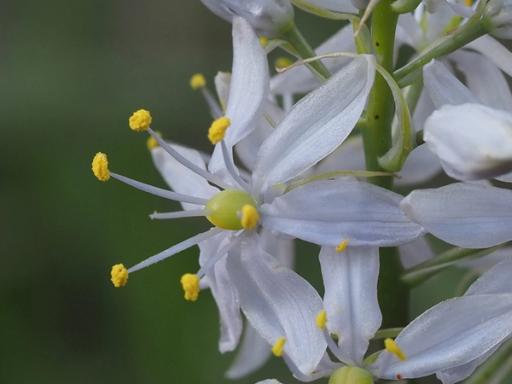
(469,31)
(393,293)
(303,50)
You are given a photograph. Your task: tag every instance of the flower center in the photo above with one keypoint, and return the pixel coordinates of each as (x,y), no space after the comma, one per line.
(232,209)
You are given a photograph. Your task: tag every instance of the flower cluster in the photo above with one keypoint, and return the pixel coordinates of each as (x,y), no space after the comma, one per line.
(314,153)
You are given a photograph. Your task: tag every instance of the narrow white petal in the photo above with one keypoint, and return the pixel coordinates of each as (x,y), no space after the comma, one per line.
(496,280)
(252,355)
(483,264)
(466,215)
(471,140)
(494,51)
(180,178)
(278,303)
(327,212)
(420,166)
(348,156)
(415,252)
(443,87)
(350,300)
(452,333)
(317,125)
(423,110)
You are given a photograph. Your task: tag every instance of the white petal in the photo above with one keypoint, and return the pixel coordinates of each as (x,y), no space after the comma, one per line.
(423,110)
(415,252)
(408,31)
(252,355)
(317,125)
(327,212)
(281,247)
(494,51)
(348,156)
(466,215)
(484,79)
(496,280)
(300,79)
(278,303)
(485,263)
(443,87)
(450,334)
(222,83)
(269,381)
(471,140)
(180,178)
(420,166)
(350,300)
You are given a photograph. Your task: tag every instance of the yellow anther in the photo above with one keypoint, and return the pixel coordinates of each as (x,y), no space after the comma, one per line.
(152,143)
(218,129)
(278,347)
(119,275)
(249,217)
(100,167)
(342,247)
(190,284)
(468,3)
(263,41)
(392,347)
(283,62)
(321,319)
(140,121)
(197,81)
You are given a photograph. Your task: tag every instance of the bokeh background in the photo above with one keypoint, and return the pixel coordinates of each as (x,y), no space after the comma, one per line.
(71,73)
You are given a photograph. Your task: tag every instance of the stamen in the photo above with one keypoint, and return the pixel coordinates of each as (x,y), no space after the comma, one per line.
(342,247)
(218,129)
(119,275)
(321,319)
(278,347)
(140,120)
(100,167)
(186,162)
(190,285)
(230,166)
(249,217)
(283,62)
(166,194)
(178,214)
(197,81)
(175,249)
(392,347)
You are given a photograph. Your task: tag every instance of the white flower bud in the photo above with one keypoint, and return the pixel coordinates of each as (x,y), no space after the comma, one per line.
(499,15)
(269,17)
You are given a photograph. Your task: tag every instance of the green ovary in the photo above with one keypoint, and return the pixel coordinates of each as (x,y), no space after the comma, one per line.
(224,208)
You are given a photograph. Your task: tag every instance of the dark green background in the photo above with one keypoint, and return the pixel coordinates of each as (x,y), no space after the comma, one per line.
(71,72)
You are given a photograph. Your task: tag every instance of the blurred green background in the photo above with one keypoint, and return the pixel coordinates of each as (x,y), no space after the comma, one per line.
(71,73)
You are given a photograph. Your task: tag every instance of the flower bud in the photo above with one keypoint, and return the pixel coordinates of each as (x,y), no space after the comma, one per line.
(268,17)
(351,375)
(499,17)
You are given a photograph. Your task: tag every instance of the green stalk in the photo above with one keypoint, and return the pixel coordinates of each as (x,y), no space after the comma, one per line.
(469,31)
(302,49)
(393,293)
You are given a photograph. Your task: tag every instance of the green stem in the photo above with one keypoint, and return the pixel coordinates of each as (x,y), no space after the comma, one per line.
(303,50)
(393,293)
(469,31)
(387,333)
(431,267)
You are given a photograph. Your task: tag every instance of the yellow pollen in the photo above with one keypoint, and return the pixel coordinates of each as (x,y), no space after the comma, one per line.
(218,129)
(100,167)
(119,275)
(263,41)
(392,347)
(341,247)
(197,81)
(278,347)
(283,62)
(140,121)
(249,217)
(190,285)
(321,319)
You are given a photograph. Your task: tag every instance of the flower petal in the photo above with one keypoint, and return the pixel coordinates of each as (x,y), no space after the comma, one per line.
(317,125)
(278,303)
(415,252)
(496,280)
(327,212)
(180,178)
(349,155)
(466,215)
(341,6)
(420,166)
(452,333)
(350,299)
(494,51)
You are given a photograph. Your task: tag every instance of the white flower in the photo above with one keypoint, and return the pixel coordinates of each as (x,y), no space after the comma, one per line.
(269,17)
(449,340)
(243,208)
(472,141)
(499,13)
